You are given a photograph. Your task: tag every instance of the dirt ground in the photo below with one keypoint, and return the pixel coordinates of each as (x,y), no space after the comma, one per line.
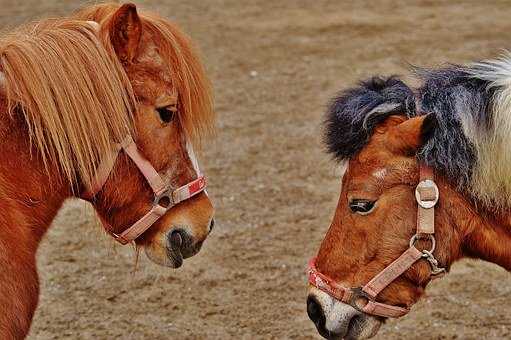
(274,65)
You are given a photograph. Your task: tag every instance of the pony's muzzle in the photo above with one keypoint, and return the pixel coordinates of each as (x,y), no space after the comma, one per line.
(181,244)
(336,320)
(180,233)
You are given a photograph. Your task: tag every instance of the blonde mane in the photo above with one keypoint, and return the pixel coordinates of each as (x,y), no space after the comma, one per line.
(492,174)
(65,80)
(75,99)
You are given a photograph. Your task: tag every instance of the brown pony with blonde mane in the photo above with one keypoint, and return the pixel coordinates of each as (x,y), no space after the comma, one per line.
(456,125)
(70,90)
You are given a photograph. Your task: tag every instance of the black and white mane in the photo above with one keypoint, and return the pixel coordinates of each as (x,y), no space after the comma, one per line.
(471,143)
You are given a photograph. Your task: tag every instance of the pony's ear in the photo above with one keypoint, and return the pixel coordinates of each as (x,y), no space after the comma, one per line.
(125,32)
(390,122)
(411,134)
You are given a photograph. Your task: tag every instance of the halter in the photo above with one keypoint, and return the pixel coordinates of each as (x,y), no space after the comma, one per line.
(164,197)
(364,298)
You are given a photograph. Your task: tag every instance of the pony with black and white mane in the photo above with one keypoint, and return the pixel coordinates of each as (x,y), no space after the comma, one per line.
(105,105)
(457,126)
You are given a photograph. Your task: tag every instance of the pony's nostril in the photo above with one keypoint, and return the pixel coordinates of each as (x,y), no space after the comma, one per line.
(354,322)
(211,225)
(176,239)
(316,314)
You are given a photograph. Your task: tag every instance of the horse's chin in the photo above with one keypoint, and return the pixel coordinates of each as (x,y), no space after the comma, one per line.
(342,321)
(164,257)
(172,253)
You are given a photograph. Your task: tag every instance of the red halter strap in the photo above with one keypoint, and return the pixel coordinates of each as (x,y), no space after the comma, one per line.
(164,197)
(364,298)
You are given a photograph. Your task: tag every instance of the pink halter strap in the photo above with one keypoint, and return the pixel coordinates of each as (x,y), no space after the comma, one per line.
(164,197)
(364,298)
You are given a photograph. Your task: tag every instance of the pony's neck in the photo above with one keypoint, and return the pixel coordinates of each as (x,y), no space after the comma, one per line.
(479,233)
(30,193)
(29,200)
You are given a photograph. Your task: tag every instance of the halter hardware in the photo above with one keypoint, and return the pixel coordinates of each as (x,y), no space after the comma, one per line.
(427,194)
(164,195)
(364,298)
(429,237)
(359,299)
(161,190)
(433,263)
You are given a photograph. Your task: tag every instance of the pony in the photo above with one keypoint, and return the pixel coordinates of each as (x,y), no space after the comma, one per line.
(455,124)
(72,91)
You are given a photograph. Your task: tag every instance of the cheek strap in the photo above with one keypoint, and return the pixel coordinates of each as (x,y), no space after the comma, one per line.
(164,197)
(364,298)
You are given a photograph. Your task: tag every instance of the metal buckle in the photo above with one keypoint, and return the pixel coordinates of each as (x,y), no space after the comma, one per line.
(359,299)
(164,199)
(426,184)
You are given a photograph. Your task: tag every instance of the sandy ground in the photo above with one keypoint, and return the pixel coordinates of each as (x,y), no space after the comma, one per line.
(274,65)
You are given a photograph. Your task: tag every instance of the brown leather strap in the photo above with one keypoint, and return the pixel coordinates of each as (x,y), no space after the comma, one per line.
(426,195)
(181,194)
(326,284)
(425,221)
(426,172)
(149,172)
(157,184)
(141,225)
(105,168)
(384,310)
(392,271)
(102,173)
(347,295)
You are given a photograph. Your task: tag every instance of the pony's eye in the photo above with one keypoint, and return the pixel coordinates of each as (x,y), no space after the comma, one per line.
(167,113)
(361,206)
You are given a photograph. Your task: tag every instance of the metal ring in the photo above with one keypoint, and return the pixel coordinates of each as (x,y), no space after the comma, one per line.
(422,236)
(427,183)
(164,195)
(358,295)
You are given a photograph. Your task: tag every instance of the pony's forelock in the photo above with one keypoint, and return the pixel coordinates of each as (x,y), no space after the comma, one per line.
(354,113)
(188,76)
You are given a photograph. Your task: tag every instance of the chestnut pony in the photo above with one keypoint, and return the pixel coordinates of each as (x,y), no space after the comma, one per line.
(71,89)
(456,127)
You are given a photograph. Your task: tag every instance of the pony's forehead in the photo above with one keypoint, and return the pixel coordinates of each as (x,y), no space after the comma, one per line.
(379,173)
(167,47)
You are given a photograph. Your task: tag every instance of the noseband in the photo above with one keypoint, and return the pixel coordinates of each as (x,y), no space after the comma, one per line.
(364,298)
(164,197)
